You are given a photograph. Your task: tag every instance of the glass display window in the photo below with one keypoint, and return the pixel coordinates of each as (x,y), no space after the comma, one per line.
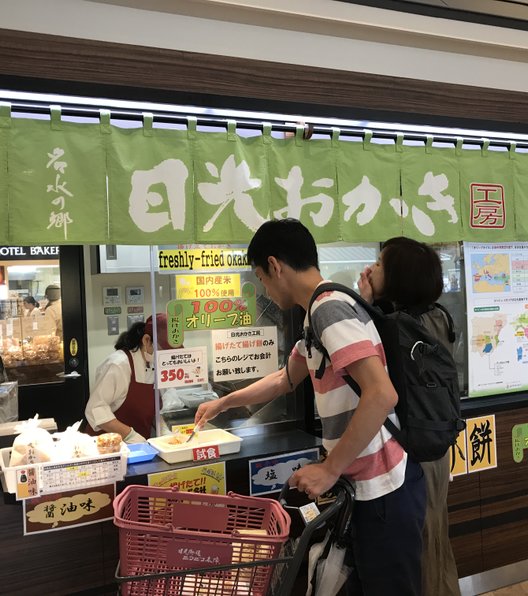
(31,319)
(343,264)
(215,302)
(226,321)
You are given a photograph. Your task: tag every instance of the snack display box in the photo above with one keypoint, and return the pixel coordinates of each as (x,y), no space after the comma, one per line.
(83,471)
(174,453)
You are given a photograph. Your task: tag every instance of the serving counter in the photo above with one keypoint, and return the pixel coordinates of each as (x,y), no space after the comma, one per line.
(488,511)
(82,560)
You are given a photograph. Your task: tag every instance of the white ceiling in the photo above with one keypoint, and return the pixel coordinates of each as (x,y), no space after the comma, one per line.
(227,9)
(319,33)
(354,20)
(513,10)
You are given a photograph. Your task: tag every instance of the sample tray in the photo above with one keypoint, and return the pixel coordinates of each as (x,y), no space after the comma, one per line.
(226,442)
(140,452)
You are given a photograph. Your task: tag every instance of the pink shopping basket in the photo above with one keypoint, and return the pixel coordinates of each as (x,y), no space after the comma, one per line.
(183,543)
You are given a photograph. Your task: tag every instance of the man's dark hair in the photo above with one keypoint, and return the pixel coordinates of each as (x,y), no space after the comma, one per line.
(412,270)
(288,240)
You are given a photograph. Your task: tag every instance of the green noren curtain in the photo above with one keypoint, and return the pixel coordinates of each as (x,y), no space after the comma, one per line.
(64,182)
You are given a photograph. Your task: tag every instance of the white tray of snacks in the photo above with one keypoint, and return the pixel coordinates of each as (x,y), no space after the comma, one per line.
(174,449)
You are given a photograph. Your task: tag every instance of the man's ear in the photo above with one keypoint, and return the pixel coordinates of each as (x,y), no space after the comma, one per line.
(275,266)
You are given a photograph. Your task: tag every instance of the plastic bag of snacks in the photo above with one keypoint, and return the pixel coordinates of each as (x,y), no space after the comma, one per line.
(109,443)
(73,444)
(33,445)
(8,401)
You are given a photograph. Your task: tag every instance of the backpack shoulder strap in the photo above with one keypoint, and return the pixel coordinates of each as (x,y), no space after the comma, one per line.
(374,312)
(450,323)
(311,337)
(329,287)
(336,287)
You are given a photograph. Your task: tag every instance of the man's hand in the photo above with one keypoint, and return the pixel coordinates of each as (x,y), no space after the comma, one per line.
(207,411)
(313,479)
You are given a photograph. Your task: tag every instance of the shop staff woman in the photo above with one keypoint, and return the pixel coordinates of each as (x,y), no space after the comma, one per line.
(122,400)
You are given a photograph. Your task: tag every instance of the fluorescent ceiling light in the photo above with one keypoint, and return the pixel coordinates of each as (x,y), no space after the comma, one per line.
(103,102)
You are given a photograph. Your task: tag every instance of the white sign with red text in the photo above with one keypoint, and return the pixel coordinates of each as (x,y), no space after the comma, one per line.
(244,352)
(182,367)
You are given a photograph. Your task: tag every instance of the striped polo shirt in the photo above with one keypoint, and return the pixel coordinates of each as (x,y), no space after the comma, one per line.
(348,334)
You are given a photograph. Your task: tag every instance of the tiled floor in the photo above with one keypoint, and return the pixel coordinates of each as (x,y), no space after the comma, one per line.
(516,590)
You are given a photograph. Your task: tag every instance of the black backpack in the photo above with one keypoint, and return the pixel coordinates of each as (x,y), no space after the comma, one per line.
(422,371)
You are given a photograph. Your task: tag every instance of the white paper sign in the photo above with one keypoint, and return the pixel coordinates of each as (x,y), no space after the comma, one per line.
(182,367)
(244,352)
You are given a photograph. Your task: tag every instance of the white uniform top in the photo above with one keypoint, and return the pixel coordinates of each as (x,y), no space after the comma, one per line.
(54,314)
(112,379)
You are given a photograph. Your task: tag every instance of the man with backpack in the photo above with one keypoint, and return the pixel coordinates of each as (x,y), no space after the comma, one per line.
(388,516)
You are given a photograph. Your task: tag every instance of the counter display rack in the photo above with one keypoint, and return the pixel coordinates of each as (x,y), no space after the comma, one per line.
(54,476)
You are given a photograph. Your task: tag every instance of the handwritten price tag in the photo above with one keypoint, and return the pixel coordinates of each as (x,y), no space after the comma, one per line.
(182,367)
(172,374)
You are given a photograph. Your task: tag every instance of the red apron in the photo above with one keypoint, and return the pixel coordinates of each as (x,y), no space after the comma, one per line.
(138,409)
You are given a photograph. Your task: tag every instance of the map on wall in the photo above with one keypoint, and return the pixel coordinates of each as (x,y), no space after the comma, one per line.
(497,305)
(490,273)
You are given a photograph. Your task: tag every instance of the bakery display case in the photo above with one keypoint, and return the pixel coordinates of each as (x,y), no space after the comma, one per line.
(32,353)
(30,337)
(43,330)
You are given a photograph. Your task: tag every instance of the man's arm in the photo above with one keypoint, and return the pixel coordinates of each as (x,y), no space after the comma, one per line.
(266,389)
(378,398)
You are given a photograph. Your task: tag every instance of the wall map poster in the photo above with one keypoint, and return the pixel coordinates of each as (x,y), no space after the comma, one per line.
(497,307)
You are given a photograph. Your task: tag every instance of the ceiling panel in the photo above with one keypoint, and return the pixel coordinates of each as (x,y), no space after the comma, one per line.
(500,13)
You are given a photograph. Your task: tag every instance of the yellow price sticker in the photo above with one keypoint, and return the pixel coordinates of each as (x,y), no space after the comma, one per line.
(182,429)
